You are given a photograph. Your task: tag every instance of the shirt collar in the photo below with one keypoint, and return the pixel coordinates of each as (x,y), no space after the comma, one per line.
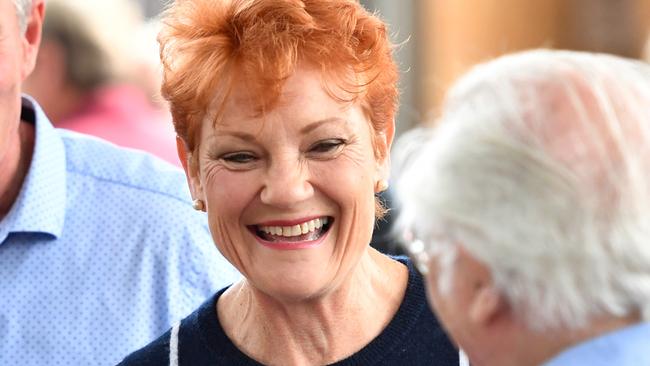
(607,348)
(40,205)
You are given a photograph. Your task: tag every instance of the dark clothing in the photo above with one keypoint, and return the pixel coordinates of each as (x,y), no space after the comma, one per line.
(413,337)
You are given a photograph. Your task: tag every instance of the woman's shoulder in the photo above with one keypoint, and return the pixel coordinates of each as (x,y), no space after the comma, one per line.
(154,354)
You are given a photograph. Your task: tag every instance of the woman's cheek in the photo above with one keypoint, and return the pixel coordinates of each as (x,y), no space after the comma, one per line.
(229,190)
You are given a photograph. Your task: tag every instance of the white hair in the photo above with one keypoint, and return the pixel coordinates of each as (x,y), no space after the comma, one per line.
(22,9)
(406,148)
(540,169)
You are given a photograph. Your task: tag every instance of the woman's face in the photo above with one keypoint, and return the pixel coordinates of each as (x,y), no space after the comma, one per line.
(290,194)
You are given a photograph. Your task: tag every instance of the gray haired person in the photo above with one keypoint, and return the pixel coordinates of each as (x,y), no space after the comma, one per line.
(529,210)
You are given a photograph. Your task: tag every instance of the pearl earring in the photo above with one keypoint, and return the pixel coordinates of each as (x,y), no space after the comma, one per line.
(198,205)
(381,185)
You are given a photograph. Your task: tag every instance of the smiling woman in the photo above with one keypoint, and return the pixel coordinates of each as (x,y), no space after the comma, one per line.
(284,112)
(284,169)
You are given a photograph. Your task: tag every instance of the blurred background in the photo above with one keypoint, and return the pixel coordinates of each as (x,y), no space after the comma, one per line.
(446,37)
(437,40)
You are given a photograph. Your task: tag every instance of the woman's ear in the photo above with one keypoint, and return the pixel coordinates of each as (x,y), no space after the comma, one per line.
(191,170)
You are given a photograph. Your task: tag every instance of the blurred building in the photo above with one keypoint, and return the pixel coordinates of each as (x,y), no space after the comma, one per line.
(457,34)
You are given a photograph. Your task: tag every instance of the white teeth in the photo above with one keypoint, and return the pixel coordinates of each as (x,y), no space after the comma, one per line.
(295,230)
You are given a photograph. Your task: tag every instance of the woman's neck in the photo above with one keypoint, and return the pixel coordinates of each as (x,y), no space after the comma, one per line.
(315,331)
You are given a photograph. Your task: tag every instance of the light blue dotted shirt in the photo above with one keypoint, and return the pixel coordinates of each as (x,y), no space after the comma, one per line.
(100,254)
(629,346)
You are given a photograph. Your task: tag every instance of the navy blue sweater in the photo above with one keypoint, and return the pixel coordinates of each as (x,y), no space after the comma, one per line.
(413,337)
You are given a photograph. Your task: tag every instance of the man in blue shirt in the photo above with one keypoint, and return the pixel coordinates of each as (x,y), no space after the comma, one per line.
(100,250)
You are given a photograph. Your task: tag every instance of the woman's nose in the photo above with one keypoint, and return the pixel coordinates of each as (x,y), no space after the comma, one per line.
(287,183)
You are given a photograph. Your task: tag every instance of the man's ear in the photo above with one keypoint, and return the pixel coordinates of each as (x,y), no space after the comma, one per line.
(191,170)
(487,304)
(31,38)
(383,142)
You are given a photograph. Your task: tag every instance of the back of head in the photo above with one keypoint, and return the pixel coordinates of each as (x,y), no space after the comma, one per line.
(207,47)
(541,169)
(95,38)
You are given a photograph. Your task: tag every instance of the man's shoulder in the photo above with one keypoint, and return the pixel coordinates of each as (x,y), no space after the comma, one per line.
(107,164)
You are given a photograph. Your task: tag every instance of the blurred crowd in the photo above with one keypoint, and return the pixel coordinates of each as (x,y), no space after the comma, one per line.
(98,73)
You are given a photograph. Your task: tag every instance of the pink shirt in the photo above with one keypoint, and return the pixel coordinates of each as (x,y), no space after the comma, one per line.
(123,115)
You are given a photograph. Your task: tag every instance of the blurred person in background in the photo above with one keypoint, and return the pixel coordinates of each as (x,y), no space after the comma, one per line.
(285,115)
(91,75)
(100,249)
(529,211)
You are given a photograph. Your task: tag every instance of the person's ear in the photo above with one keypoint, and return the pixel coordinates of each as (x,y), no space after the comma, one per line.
(191,169)
(383,142)
(31,39)
(487,304)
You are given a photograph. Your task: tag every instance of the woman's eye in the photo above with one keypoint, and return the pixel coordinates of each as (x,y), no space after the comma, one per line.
(327,146)
(239,158)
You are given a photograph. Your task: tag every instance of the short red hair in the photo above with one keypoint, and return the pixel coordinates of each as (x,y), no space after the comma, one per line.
(206,44)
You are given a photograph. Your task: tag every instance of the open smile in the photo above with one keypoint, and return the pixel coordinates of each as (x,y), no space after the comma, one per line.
(299,235)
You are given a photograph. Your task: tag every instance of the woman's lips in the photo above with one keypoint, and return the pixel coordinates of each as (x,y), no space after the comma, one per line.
(290,231)
(299,236)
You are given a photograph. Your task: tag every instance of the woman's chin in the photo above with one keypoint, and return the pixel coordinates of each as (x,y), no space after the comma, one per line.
(293,286)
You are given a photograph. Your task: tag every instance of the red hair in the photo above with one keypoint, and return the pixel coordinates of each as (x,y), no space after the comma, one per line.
(205,44)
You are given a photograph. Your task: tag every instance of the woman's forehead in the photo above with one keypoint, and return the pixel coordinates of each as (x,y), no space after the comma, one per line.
(303,95)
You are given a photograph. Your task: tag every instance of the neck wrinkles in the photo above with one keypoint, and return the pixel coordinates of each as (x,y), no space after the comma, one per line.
(318,331)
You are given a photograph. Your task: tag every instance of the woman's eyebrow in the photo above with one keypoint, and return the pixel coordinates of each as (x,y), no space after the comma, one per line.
(322,122)
(238,134)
